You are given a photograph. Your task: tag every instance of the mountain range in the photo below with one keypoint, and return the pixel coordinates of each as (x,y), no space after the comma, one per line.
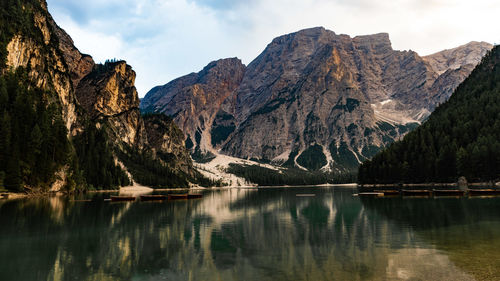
(312,99)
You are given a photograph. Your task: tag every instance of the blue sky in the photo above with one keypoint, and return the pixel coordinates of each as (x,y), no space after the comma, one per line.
(165,39)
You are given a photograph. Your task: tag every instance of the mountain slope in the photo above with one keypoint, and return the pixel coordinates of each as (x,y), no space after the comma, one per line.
(67,123)
(194,101)
(313,94)
(461,137)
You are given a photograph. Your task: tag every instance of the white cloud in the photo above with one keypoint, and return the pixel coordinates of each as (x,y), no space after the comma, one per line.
(166,39)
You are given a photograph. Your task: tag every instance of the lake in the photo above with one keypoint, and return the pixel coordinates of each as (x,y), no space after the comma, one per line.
(264,234)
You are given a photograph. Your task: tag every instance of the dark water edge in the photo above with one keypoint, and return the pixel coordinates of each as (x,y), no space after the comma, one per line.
(264,234)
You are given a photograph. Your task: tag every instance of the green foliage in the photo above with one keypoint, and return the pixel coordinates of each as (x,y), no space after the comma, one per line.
(189,143)
(264,176)
(2,177)
(293,176)
(350,105)
(290,163)
(96,159)
(461,138)
(221,133)
(343,157)
(148,170)
(33,136)
(202,156)
(312,158)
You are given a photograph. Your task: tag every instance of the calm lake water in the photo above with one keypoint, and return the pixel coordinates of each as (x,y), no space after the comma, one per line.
(265,234)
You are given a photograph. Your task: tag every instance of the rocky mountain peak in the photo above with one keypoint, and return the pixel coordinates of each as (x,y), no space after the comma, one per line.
(311,96)
(374,41)
(109,89)
(223,69)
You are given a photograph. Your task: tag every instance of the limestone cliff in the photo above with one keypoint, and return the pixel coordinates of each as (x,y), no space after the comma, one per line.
(108,95)
(103,96)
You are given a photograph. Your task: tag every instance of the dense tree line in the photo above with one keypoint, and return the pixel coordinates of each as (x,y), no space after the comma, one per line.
(96,159)
(290,176)
(461,138)
(148,170)
(33,136)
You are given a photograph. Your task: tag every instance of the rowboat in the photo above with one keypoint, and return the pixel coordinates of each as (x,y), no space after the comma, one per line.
(195,196)
(153,197)
(177,196)
(388,192)
(416,192)
(482,192)
(371,194)
(448,192)
(122,198)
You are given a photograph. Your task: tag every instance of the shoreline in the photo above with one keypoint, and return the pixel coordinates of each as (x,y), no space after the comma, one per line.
(432,184)
(136,190)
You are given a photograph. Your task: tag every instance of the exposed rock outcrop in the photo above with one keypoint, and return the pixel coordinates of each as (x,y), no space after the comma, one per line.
(468,54)
(194,101)
(108,95)
(167,142)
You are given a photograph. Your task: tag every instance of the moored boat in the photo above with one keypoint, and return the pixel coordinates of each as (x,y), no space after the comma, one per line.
(194,196)
(389,192)
(371,194)
(448,192)
(177,196)
(483,192)
(153,197)
(416,192)
(122,198)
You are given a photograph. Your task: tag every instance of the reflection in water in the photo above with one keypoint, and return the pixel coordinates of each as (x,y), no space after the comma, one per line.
(266,234)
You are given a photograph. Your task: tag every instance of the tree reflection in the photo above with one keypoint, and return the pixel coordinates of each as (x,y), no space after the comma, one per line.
(228,235)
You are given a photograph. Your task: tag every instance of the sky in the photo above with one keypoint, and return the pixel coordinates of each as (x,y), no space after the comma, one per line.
(166,39)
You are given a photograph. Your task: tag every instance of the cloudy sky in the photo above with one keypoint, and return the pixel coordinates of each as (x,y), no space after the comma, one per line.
(165,39)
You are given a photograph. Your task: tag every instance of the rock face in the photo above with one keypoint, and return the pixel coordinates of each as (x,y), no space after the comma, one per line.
(167,142)
(109,96)
(194,101)
(315,89)
(468,54)
(87,92)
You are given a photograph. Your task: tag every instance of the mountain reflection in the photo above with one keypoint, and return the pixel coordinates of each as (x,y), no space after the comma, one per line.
(265,234)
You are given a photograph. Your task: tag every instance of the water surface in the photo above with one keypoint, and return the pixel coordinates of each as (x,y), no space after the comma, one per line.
(265,234)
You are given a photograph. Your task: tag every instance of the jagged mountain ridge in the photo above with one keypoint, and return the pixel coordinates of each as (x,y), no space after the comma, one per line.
(313,92)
